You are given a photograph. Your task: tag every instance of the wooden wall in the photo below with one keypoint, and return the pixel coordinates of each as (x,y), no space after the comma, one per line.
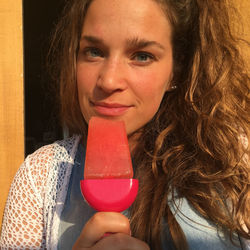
(11,94)
(11,88)
(244,9)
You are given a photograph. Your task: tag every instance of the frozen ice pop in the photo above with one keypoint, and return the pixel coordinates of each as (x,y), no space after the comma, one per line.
(108,183)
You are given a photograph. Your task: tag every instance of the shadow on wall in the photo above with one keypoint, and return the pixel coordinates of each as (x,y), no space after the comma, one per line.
(41,115)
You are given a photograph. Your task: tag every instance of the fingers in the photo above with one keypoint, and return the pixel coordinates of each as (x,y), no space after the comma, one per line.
(98,225)
(120,241)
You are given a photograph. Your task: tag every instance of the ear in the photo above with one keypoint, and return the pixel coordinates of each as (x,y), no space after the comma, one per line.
(170,85)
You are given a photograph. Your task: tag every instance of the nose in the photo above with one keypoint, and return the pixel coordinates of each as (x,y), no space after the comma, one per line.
(111,76)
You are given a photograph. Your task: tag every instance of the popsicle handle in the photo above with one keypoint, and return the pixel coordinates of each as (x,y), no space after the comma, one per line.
(109,195)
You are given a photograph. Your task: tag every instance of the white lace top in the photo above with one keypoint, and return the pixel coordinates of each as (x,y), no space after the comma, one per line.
(36,197)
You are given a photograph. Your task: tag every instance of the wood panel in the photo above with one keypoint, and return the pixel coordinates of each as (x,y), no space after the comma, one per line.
(11,94)
(243,29)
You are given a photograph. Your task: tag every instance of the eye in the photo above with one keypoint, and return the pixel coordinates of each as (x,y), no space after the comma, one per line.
(143,58)
(92,54)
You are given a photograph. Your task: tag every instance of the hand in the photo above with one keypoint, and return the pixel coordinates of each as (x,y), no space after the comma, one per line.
(117,228)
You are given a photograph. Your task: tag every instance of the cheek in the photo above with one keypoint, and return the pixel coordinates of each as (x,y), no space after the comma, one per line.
(151,86)
(85,79)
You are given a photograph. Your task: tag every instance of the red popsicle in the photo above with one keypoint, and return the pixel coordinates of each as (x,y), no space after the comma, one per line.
(108,172)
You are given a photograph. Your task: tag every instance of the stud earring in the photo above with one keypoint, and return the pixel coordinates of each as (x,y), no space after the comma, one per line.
(173,87)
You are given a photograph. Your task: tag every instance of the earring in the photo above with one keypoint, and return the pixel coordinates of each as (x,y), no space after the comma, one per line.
(173,87)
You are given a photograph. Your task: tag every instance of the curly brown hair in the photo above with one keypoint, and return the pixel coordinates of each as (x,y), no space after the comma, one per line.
(193,146)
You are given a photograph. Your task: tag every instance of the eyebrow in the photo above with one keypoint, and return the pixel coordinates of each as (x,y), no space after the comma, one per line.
(142,43)
(134,43)
(92,39)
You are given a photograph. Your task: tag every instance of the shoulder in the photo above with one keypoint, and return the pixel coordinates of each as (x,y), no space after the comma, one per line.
(46,162)
(200,232)
(63,150)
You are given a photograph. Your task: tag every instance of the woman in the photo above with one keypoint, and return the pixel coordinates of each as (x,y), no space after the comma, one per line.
(172,72)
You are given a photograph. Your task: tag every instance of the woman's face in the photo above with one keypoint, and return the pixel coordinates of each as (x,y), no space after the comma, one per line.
(124,64)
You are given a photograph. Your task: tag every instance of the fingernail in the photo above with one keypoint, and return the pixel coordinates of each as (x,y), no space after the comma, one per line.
(106,235)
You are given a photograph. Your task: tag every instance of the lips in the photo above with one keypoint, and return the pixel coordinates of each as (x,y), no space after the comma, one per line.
(110,109)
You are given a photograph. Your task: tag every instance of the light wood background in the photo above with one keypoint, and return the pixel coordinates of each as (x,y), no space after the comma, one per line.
(11,94)
(11,88)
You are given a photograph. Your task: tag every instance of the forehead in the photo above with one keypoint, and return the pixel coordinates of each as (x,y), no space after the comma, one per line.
(143,15)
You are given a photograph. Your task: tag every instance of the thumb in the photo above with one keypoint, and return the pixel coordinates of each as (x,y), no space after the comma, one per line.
(100,225)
